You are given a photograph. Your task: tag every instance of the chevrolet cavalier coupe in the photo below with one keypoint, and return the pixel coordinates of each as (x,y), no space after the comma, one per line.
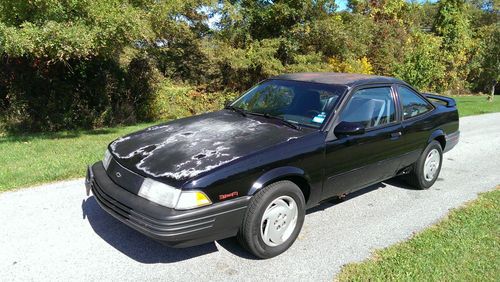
(288,144)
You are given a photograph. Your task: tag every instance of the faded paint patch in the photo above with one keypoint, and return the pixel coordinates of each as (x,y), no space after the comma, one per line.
(183,150)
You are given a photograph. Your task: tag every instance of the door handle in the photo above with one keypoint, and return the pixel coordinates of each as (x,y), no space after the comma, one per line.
(395,135)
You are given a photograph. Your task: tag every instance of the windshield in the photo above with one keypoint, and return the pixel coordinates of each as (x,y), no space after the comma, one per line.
(304,103)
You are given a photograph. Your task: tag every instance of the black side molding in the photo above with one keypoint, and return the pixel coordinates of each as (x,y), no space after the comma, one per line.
(449,102)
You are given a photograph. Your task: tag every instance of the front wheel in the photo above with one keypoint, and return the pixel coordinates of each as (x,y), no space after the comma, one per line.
(273,219)
(426,170)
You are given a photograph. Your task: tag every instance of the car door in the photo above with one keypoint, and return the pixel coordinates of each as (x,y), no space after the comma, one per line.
(416,123)
(356,161)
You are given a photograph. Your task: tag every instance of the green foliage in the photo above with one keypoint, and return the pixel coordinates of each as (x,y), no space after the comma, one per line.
(351,66)
(271,19)
(177,101)
(310,62)
(57,30)
(485,71)
(347,36)
(179,46)
(453,26)
(382,10)
(386,51)
(239,68)
(422,66)
(84,63)
(92,93)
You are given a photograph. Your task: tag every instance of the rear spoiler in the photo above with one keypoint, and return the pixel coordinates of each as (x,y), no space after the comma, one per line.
(447,101)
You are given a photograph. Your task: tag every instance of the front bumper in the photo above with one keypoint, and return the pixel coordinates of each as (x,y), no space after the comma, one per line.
(172,227)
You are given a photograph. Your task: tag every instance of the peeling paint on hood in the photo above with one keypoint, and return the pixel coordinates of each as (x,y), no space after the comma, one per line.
(184,148)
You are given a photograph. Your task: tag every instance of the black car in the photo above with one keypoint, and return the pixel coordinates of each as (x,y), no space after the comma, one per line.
(252,169)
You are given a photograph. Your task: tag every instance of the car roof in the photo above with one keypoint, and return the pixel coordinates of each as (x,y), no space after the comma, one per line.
(348,79)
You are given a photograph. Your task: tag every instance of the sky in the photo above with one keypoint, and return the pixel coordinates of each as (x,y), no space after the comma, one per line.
(342,4)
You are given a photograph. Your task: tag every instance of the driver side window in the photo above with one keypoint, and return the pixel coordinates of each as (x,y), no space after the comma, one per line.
(371,107)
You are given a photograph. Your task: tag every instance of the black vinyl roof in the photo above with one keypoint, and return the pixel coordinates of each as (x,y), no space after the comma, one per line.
(349,79)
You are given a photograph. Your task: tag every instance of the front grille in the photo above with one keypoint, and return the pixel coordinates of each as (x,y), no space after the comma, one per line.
(124,177)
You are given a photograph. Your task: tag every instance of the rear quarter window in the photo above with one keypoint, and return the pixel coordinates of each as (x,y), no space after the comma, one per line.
(413,105)
(437,101)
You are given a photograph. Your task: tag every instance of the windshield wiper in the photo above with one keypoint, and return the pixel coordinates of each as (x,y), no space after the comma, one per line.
(236,109)
(282,120)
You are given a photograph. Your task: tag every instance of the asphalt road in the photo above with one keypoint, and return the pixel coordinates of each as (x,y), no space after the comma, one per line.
(54,232)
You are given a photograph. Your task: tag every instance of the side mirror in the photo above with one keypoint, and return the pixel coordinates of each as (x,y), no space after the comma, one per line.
(345,128)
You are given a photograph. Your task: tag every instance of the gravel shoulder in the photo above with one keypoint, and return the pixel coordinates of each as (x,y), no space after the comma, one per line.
(54,232)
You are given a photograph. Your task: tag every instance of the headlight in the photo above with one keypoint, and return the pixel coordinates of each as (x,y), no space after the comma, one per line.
(106,159)
(171,197)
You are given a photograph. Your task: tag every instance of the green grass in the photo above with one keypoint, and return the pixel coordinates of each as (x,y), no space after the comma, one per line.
(32,159)
(475,105)
(463,247)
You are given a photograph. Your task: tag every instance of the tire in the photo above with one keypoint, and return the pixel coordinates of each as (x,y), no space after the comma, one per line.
(275,202)
(422,177)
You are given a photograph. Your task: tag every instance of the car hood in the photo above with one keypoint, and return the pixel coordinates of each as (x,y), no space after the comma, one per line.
(182,149)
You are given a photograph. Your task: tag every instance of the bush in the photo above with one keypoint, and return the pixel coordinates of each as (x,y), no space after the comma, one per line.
(361,65)
(311,62)
(240,68)
(422,66)
(77,94)
(173,101)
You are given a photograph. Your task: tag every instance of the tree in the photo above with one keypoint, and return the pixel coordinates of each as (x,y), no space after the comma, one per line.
(181,32)
(422,66)
(485,72)
(453,26)
(53,30)
(344,36)
(263,19)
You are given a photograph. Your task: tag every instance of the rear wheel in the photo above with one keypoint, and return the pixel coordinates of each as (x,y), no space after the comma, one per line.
(426,170)
(273,220)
